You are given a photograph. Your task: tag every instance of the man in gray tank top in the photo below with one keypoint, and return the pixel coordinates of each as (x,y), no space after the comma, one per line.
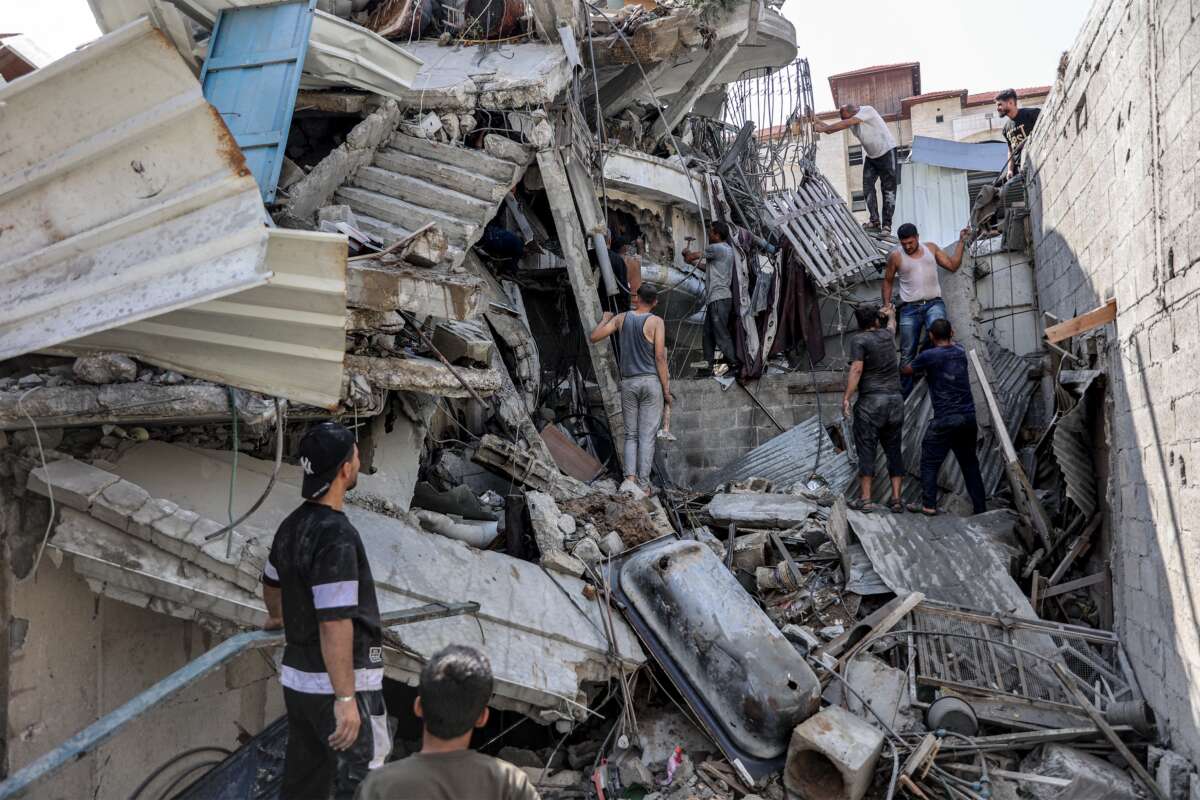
(645,384)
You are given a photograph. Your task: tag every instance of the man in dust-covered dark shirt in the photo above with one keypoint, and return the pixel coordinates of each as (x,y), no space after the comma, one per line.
(879,413)
(318,587)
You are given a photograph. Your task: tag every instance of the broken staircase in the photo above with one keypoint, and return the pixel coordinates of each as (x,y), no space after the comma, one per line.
(412,182)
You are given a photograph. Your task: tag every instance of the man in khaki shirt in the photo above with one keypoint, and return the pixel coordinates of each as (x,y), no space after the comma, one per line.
(452,699)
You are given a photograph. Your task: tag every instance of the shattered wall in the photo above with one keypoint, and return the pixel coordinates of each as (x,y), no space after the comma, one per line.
(715,426)
(1113,195)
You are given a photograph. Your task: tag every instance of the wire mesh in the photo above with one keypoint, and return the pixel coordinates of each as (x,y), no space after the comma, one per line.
(779,101)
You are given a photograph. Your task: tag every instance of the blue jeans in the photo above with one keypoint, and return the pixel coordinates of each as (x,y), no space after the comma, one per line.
(915,319)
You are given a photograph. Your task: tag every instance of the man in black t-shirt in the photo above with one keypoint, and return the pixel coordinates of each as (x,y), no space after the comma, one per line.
(317,585)
(1017,129)
(879,412)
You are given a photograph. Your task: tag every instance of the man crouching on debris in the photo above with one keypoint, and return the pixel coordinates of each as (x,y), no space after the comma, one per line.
(317,585)
(451,701)
(645,384)
(879,412)
(953,425)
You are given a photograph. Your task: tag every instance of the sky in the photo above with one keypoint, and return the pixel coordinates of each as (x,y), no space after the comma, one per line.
(961,44)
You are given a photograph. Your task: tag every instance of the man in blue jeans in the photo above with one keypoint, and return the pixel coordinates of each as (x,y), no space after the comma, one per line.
(952,428)
(916,264)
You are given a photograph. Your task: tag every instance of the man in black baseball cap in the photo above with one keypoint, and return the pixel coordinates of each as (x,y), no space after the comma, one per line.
(317,585)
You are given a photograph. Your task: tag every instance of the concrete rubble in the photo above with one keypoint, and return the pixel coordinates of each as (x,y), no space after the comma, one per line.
(443,220)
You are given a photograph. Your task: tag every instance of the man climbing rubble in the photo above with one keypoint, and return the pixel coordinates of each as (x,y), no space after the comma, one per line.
(880,160)
(645,383)
(718,296)
(953,426)
(317,586)
(455,687)
(916,263)
(879,412)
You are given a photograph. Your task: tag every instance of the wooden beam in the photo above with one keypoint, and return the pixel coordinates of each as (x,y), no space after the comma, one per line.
(1083,323)
(583,285)
(1078,547)
(1078,583)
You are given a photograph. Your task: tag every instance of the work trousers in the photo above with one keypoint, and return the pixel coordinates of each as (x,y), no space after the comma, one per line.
(879,419)
(885,170)
(914,320)
(312,770)
(957,434)
(718,318)
(642,407)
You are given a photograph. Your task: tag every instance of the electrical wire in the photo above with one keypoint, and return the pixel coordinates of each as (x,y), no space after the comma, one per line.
(46,471)
(141,787)
(280,423)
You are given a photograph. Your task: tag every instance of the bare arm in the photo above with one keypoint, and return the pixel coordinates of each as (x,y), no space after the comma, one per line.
(890,312)
(273,598)
(607,327)
(660,358)
(856,370)
(337,650)
(840,125)
(889,277)
(691,256)
(951,263)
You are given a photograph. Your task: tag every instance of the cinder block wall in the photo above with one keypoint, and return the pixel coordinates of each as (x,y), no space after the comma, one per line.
(715,426)
(1115,214)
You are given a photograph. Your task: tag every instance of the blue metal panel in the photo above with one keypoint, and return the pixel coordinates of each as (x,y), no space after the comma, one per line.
(251,76)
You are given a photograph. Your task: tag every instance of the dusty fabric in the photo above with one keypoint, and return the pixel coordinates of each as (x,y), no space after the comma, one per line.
(637,354)
(917,276)
(642,407)
(886,170)
(718,316)
(873,133)
(876,349)
(448,776)
(311,767)
(879,419)
(718,271)
(800,312)
(956,433)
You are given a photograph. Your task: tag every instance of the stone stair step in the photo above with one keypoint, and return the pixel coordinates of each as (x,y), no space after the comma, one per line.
(471,160)
(397,212)
(422,193)
(441,174)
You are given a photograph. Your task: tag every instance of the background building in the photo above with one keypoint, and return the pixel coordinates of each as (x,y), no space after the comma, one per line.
(894,90)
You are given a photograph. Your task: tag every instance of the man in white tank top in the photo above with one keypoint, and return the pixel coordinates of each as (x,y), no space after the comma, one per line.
(916,264)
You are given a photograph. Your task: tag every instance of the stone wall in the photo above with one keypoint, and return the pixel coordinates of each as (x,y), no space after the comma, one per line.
(1113,191)
(715,426)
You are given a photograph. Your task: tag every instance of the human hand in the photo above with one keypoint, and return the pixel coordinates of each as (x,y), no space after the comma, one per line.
(846,407)
(347,721)
(964,234)
(273,624)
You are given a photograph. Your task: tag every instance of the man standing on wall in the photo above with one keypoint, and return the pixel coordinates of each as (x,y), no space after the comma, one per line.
(880,161)
(953,425)
(718,295)
(317,586)
(879,412)
(1017,129)
(645,384)
(917,263)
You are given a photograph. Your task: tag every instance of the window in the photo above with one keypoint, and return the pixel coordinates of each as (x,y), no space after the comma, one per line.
(939,118)
(855,155)
(858,201)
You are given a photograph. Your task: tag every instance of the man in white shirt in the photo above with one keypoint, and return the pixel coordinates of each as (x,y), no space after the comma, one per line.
(880,162)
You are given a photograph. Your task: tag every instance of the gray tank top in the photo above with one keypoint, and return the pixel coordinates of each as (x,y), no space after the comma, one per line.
(637,354)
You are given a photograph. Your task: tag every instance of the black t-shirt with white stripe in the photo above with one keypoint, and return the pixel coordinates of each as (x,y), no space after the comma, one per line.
(318,562)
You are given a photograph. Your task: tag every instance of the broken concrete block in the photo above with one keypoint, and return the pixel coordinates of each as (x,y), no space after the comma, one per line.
(885,688)
(427,248)
(173,533)
(141,522)
(588,552)
(74,483)
(633,772)
(567,525)
(611,544)
(1172,773)
(117,503)
(462,340)
(337,213)
(1091,777)
(106,368)
(562,561)
(543,778)
(543,516)
(504,148)
(832,756)
(520,757)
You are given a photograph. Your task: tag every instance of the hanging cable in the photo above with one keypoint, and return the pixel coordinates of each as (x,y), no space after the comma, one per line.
(280,422)
(46,471)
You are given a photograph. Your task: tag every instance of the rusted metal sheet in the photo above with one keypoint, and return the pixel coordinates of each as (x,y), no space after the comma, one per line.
(139,205)
(570,457)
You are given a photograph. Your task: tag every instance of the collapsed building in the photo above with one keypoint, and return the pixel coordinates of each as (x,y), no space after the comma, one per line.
(407,217)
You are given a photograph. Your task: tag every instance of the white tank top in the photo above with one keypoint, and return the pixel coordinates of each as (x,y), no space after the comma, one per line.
(918,276)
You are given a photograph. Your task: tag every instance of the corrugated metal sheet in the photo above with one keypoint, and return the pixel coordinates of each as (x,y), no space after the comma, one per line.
(251,75)
(285,339)
(791,456)
(980,156)
(1073,447)
(340,53)
(122,194)
(934,199)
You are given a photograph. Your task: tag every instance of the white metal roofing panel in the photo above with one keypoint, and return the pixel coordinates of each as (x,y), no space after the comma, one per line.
(122,194)
(285,339)
(934,199)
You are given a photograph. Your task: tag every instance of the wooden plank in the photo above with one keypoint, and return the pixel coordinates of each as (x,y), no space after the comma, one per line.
(1078,583)
(1083,323)
(583,285)
(1079,546)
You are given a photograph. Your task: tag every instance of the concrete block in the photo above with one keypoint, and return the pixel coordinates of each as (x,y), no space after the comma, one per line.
(543,516)
(612,544)
(105,368)
(588,552)
(1172,773)
(506,149)
(141,523)
(832,756)
(561,561)
(117,503)
(462,340)
(173,533)
(884,687)
(1091,777)
(74,483)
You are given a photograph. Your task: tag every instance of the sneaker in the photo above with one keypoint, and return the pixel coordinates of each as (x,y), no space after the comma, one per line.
(871,226)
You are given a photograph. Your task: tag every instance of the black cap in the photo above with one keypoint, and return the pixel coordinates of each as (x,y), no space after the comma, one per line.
(323,450)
